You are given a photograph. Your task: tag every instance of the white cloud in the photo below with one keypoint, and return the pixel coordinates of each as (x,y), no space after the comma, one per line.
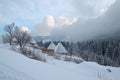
(49,23)
(27,11)
(24,29)
(90,8)
(102,12)
(65,21)
(103,25)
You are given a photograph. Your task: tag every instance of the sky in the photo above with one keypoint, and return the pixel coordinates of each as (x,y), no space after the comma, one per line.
(79,19)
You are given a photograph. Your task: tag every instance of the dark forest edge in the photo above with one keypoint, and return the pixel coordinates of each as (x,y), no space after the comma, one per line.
(105,52)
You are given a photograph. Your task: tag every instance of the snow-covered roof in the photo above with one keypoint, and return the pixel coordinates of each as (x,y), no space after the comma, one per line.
(60,48)
(52,46)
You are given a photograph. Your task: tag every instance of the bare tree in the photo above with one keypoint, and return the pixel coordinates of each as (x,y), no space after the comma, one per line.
(9,29)
(5,38)
(22,37)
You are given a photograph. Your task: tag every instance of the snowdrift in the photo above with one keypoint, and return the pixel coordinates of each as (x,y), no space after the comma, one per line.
(28,69)
(8,73)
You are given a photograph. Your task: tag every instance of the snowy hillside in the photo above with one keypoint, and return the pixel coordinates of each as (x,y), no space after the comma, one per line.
(8,73)
(15,66)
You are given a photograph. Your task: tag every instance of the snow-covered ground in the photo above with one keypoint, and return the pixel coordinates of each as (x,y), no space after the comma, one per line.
(15,66)
(8,73)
